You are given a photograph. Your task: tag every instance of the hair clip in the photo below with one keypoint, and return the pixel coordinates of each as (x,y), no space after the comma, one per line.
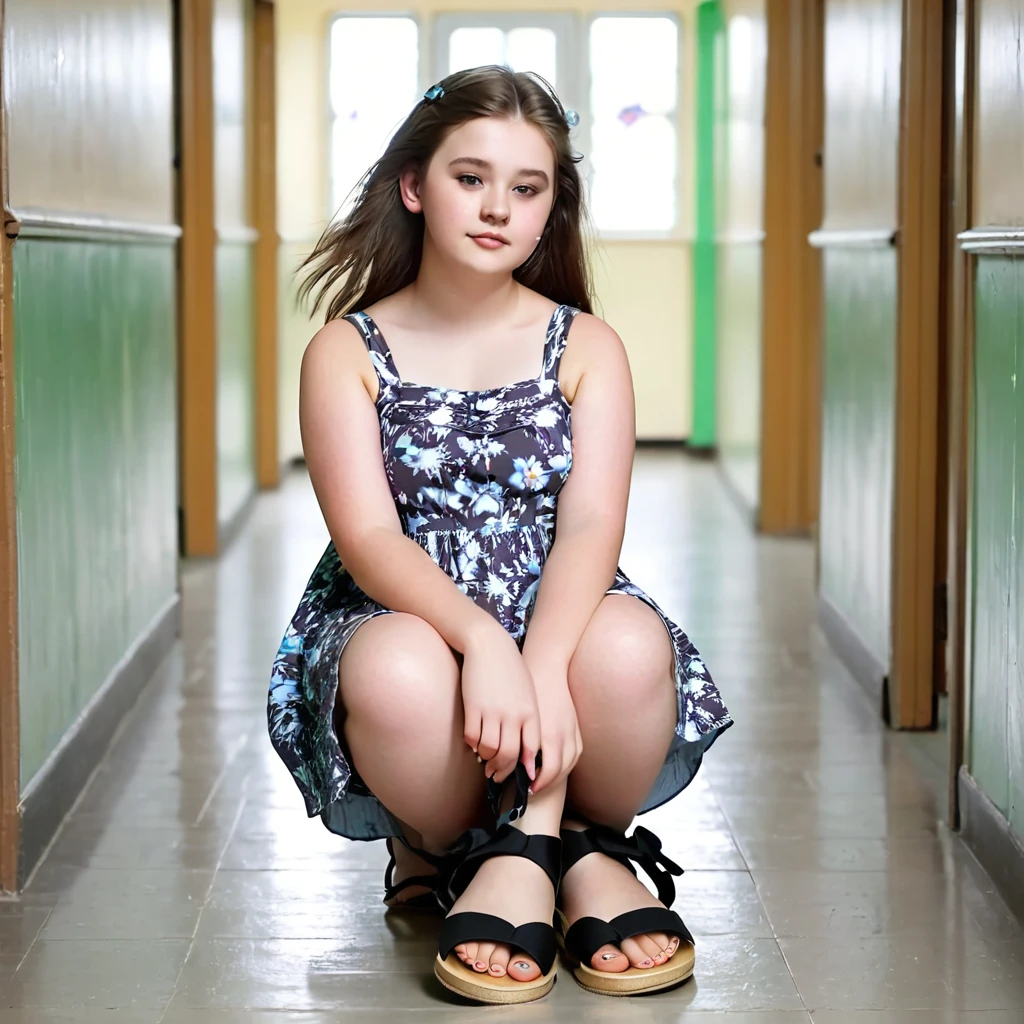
(435,92)
(572,118)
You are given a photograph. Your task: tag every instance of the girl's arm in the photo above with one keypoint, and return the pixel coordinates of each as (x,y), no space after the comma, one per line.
(341,442)
(590,524)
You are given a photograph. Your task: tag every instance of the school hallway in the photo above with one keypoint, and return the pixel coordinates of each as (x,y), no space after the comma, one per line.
(187,884)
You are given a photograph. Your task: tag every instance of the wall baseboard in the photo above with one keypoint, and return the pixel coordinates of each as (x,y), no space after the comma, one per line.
(988,835)
(232,526)
(869,672)
(55,787)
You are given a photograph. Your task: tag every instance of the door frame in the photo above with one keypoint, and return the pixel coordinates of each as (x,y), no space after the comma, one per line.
(10,732)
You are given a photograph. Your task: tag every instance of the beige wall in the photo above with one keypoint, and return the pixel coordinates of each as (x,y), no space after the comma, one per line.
(643,288)
(90,108)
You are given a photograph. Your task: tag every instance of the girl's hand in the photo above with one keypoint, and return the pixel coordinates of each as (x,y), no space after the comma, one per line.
(500,704)
(560,740)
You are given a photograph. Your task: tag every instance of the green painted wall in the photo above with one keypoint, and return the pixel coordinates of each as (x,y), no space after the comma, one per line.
(96,437)
(236,384)
(996,752)
(709,31)
(858,394)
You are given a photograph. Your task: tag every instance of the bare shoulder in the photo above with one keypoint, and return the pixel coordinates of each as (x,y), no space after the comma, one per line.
(593,346)
(336,352)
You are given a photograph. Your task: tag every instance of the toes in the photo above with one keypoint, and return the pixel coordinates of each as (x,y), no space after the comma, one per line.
(660,939)
(468,954)
(637,954)
(609,959)
(483,956)
(522,968)
(499,961)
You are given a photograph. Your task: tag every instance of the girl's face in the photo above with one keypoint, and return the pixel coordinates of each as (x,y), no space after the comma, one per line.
(490,177)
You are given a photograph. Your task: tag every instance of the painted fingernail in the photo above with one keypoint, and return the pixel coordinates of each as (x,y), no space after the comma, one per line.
(479,759)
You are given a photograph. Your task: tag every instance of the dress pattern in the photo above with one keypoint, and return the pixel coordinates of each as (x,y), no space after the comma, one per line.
(475,476)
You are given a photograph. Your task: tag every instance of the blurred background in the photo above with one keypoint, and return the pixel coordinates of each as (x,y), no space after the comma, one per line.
(809,229)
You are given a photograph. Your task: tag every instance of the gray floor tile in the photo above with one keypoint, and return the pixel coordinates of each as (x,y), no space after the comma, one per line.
(955,971)
(97,974)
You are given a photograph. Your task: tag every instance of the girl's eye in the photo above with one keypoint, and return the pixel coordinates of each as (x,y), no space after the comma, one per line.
(473,179)
(530,190)
(463,177)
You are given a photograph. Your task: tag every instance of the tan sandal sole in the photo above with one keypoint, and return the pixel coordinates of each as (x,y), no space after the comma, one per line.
(637,980)
(464,981)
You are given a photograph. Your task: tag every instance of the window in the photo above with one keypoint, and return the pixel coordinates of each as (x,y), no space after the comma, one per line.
(526,48)
(634,148)
(529,41)
(374,78)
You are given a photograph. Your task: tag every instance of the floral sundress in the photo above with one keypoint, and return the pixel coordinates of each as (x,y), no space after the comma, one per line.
(475,476)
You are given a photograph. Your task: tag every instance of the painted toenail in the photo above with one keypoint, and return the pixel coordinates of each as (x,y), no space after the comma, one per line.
(480,966)
(647,963)
(609,956)
(523,966)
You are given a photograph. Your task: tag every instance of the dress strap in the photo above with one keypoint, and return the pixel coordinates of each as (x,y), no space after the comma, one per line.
(557,338)
(380,354)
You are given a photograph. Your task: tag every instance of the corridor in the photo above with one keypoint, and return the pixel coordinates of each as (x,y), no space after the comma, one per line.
(187,885)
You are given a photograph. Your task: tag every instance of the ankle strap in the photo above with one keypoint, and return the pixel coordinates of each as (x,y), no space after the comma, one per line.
(643,846)
(544,851)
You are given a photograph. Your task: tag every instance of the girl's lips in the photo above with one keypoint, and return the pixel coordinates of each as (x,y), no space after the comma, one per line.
(488,243)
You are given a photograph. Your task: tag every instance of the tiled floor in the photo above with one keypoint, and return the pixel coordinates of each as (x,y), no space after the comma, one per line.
(188,886)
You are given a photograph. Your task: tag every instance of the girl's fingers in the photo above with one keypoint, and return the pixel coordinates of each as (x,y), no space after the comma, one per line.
(490,738)
(471,729)
(549,772)
(504,761)
(531,744)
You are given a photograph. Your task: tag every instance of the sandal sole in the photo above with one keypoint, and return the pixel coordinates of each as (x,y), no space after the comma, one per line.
(460,979)
(635,981)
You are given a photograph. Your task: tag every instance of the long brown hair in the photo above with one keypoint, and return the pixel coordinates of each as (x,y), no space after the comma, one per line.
(376,249)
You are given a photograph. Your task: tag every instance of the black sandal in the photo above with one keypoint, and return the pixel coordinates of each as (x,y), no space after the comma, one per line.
(587,935)
(429,901)
(536,938)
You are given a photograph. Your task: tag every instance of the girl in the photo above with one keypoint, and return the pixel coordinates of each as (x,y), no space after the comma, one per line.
(460,403)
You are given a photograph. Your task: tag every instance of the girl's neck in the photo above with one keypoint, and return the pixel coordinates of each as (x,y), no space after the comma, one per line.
(447,294)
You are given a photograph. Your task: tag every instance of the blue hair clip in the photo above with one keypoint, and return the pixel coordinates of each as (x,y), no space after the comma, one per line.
(572,118)
(435,92)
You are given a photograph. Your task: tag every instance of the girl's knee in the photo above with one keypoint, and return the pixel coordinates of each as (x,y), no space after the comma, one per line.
(625,653)
(397,668)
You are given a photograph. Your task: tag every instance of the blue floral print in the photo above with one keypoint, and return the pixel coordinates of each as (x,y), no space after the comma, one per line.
(475,476)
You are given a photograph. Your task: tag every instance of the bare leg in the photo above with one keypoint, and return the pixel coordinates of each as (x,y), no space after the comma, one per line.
(623,689)
(515,889)
(399,682)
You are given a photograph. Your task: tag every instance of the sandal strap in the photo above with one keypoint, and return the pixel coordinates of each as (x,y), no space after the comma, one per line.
(536,939)
(643,846)
(544,851)
(589,934)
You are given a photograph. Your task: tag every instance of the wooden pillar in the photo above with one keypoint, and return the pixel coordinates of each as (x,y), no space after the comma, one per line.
(792,281)
(263,157)
(911,688)
(197,381)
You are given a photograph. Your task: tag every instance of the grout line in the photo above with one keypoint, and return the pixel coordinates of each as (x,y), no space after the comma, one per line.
(206,900)
(239,745)
(49,911)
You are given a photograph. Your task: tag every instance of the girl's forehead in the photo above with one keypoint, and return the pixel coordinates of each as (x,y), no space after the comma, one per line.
(498,140)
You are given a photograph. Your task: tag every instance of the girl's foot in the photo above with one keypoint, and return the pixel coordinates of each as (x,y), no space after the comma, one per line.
(409,865)
(517,890)
(598,886)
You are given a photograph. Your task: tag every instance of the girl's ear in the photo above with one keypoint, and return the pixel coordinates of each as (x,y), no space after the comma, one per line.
(409,186)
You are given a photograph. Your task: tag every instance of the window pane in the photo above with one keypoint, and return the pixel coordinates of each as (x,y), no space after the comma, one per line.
(634,81)
(373,86)
(532,49)
(474,47)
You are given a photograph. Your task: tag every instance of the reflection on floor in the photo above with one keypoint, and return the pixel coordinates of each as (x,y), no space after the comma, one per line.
(189,886)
